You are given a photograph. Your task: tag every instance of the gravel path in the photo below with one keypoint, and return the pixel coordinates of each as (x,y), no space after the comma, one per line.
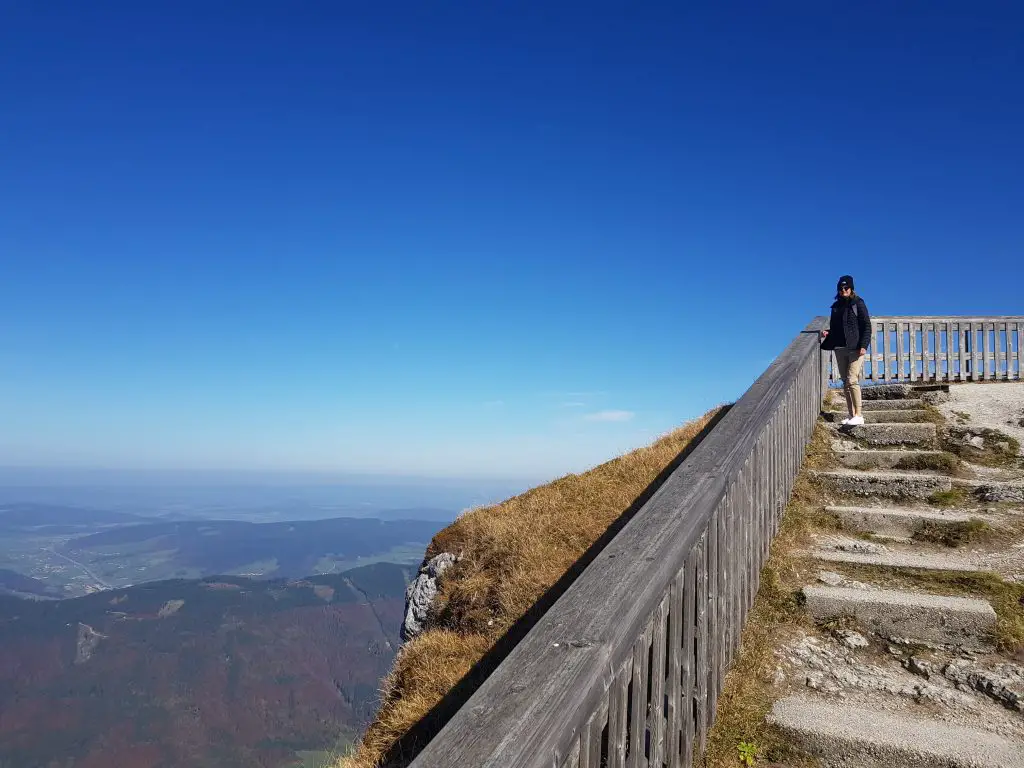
(996,406)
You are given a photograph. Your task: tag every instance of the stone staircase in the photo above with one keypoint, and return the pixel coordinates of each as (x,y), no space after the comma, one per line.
(907,665)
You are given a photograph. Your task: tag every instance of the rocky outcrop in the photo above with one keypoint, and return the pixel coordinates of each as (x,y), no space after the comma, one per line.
(420,594)
(88,639)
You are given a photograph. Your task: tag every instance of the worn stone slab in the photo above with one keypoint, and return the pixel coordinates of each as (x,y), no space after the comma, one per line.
(906,404)
(897,615)
(879,416)
(895,434)
(896,416)
(841,735)
(893,521)
(887,392)
(927,561)
(870,459)
(1009,491)
(890,485)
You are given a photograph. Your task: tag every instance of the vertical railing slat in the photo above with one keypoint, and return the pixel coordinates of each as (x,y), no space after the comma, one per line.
(913,351)
(985,356)
(961,337)
(1003,348)
(636,757)
(656,717)
(885,352)
(617,715)
(702,667)
(948,374)
(873,352)
(899,351)
(1020,351)
(673,714)
(694,563)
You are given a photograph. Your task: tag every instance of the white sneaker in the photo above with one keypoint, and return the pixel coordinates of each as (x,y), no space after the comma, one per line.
(856,421)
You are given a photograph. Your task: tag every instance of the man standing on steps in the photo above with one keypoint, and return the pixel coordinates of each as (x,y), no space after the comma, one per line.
(849,335)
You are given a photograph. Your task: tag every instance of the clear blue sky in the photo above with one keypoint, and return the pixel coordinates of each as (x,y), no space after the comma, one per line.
(472,238)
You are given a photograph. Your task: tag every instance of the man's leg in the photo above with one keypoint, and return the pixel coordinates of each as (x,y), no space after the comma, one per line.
(843,361)
(854,369)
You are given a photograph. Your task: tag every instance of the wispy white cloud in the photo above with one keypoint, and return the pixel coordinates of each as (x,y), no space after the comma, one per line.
(572,404)
(610,416)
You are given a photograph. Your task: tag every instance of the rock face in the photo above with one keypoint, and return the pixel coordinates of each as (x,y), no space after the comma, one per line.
(421,593)
(1005,684)
(88,639)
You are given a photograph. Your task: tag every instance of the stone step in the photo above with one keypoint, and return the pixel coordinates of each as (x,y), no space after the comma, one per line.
(902,459)
(897,522)
(843,735)
(887,392)
(923,435)
(923,561)
(901,416)
(907,404)
(907,616)
(890,485)
(986,490)
(896,416)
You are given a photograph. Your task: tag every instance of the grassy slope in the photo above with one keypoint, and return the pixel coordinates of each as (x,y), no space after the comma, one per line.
(510,555)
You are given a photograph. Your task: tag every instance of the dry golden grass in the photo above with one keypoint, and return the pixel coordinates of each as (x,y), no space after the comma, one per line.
(510,555)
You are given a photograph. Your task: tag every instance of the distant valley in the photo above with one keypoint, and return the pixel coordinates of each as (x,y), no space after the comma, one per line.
(73,551)
(227,671)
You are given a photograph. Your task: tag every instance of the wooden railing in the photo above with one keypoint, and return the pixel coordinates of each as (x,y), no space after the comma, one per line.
(626,667)
(944,349)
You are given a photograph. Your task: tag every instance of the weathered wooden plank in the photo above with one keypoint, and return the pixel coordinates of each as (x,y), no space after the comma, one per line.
(756,520)
(584,741)
(703,666)
(673,690)
(961,334)
(900,372)
(872,357)
(572,760)
(636,752)
(618,713)
(656,717)
(1010,352)
(597,731)
(735,584)
(913,350)
(935,367)
(689,656)
(947,368)
(886,365)
(986,355)
(1020,350)
(716,581)
(972,369)
(1002,336)
(931,346)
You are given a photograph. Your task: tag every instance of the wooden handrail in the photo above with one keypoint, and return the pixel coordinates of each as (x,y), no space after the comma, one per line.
(943,349)
(626,667)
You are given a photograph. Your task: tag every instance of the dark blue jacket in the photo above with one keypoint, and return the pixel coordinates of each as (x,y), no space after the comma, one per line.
(854,326)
